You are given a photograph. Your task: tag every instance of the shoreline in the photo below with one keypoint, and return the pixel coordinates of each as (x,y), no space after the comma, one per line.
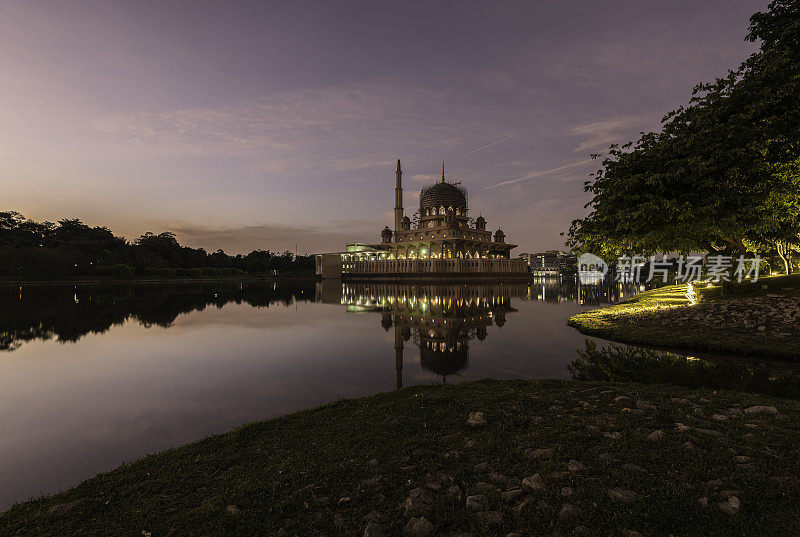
(578,457)
(754,320)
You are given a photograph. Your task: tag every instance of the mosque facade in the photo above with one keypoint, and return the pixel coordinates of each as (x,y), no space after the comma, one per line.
(442,239)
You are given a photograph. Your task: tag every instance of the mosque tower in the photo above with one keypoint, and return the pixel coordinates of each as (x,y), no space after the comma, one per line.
(398,199)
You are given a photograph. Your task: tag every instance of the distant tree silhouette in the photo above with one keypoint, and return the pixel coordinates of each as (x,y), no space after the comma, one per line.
(70,248)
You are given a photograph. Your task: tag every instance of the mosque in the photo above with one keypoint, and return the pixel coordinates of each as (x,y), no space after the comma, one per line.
(441,240)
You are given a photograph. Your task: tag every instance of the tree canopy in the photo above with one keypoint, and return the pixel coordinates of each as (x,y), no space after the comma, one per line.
(70,248)
(722,173)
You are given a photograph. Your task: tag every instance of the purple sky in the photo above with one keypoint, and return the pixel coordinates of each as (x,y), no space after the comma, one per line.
(242,125)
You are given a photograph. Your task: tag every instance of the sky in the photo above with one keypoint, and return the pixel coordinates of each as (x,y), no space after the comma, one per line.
(277,125)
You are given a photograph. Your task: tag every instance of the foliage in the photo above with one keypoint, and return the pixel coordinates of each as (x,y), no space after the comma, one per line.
(70,248)
(722,171)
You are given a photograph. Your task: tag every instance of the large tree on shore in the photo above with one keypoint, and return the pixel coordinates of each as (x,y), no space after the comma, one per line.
(722,173)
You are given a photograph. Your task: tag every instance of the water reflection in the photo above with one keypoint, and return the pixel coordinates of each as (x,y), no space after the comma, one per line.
(97,374)
(67,313)
(442,319)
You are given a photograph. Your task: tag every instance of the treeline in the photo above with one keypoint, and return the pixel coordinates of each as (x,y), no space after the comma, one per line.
(70,248)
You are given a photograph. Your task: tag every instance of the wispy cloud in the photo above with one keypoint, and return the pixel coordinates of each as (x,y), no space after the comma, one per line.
(484,147)
(543,173)
(598,135)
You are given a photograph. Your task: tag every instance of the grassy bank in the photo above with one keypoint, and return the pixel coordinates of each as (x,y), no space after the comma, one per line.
(760,319)
(549,457)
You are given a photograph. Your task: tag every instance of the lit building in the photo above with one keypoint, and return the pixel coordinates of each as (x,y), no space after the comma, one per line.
(442,239)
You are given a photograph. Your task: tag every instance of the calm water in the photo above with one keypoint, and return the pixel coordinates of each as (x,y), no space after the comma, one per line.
(95,375)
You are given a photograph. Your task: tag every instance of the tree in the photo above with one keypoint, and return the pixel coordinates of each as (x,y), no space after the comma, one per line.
(722,171)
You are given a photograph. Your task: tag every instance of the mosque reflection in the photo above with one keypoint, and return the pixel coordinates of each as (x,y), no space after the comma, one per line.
(442,319)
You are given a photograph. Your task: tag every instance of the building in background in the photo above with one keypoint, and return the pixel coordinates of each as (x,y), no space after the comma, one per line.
(551,263)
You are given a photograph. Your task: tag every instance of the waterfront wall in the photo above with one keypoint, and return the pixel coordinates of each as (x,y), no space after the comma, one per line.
(433,267)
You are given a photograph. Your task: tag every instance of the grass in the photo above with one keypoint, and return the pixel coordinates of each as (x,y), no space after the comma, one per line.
(409,454)
(653,318)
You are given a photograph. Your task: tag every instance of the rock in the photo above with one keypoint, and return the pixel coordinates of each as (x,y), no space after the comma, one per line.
(762,328)
(511,495)
(713,483)
(534,482)
(575,466)
(641,405)
(484,487)
(633,468)
(711,432)
(623,399)
(477,502)
(540,453)
(567,491)
(418,527)
(455,492)
(416,503)
(719,417)
(703,501)
(482,467)
(61,508)
(656,435)
(604,457)
(682,428)
(373,462)
(232,510)
(374,529)
(758,409)
(612,435)
(622,495)
(469,444)
(741,459)
(490,518)
(567,511)
(500,479)
(476,419)
(730,506)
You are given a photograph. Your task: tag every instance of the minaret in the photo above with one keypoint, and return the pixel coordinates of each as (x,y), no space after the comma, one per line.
(398,199)
(443,171)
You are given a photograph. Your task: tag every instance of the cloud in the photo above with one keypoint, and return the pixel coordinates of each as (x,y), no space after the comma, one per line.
(484,147)
(543,173)
(598,135)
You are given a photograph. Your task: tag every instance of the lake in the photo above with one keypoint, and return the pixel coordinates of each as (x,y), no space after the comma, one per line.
(94,375)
